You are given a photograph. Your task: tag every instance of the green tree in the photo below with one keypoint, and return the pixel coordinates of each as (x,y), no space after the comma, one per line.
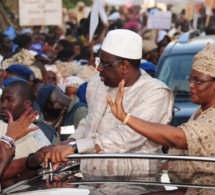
(72,3)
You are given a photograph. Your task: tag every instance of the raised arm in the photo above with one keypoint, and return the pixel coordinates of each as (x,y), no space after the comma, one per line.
(19,128)
(159,133)
(15,130)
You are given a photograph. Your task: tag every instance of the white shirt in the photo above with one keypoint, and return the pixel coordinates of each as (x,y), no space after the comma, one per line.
(30,143)
(147,99)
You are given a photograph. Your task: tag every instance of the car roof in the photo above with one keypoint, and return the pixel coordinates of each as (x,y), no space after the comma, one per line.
(123,182)
(188,45)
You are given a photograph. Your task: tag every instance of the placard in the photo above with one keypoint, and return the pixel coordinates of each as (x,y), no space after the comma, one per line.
(40,12)
(159,20)
(124,2)
(179,1)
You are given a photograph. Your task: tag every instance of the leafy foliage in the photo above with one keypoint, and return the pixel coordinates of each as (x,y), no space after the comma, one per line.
(72,3)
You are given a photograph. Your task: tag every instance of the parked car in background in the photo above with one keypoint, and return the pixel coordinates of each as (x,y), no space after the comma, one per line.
(174,67)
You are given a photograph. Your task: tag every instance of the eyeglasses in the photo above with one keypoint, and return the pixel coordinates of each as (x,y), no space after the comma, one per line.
(107,64)
(198,82)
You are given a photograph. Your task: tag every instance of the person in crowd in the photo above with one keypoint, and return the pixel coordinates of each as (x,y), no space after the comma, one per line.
(42,69)
(71,25)
(162,36)
(16,98)
(70,85)
(80,12)
(6,47)
(194,138)
(160,49)
(100,131)
(64,50)
(35,37)
(50,53)
(150,51)
(62,45)
(24,73)
(72,19)
(51,77)
(37,84)
(77,48)
(15,130)
(166,40)
(210,29)
(81,92)
(60,31)
(23,41)
(58,108)
(42,39)
(42,57)
(153,56)
(39,41)
(149,67)
(54,75)
(71,89)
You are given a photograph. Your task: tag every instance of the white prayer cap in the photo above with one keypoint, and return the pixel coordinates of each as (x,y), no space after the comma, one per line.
(123,43)
(114,16)
(161,35)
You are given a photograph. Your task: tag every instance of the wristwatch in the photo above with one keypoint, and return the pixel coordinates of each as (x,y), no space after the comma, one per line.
(74,145)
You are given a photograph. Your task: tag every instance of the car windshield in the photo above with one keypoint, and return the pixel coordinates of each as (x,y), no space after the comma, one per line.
(174,72)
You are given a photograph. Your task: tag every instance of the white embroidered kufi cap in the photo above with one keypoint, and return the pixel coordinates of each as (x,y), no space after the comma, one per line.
(204,61)
(123,43)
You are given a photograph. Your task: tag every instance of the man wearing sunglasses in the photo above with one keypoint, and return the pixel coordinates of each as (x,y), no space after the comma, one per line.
(145,97)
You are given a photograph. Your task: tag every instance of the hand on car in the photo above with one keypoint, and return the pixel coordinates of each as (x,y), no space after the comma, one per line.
(58,154)
(37,158)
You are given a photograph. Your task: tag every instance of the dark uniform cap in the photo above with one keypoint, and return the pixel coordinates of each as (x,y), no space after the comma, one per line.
(21,72)
(10,80)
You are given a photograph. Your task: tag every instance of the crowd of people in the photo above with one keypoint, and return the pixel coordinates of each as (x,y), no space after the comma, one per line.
(66,79)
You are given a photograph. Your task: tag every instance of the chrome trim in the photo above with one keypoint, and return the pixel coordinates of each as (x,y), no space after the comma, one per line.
(143,155)
(143,183)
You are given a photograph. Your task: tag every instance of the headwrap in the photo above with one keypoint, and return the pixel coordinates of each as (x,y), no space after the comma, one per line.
(204,61)
(71,81)
(48,48)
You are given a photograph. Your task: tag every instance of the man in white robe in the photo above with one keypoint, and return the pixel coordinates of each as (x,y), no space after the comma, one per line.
(145,97)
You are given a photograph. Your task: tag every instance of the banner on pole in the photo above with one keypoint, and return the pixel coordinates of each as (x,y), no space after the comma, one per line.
(159,20)
(40,12)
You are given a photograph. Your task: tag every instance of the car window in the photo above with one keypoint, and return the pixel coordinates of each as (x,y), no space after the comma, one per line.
(174,72)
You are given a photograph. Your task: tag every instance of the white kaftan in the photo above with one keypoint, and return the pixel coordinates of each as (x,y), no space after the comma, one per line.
(148,99)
